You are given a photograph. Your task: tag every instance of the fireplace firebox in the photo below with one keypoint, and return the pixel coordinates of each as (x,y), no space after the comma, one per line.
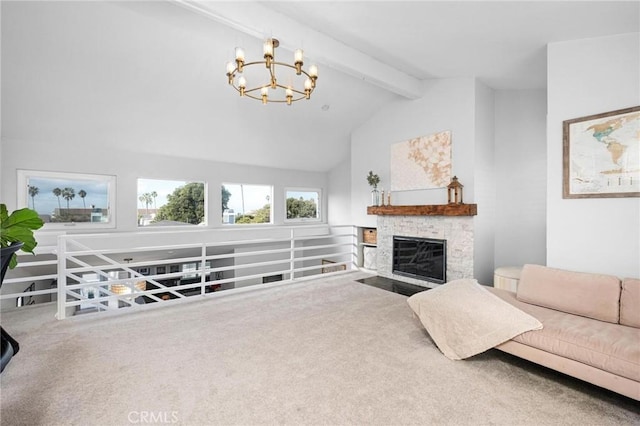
(420,258)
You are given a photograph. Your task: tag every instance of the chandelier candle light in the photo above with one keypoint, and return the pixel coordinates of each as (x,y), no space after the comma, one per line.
(272,90)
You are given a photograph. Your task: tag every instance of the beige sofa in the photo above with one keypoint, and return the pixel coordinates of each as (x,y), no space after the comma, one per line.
(591,325)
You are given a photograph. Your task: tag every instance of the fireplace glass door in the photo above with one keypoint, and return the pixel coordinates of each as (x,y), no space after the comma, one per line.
(420,258)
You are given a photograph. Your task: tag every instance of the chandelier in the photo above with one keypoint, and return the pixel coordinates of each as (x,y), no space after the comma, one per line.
(270,88)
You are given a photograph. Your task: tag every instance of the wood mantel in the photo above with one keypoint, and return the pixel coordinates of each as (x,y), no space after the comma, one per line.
(426,210)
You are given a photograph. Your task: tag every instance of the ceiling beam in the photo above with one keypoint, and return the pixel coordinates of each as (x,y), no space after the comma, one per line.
(251,18)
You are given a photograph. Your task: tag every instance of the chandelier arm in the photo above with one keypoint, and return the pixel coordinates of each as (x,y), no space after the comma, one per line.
(280,101)
(248,91)
(259,98)
(256,88)
(235,72)
(284,64)
(272,75)
(293,89)
(254,63)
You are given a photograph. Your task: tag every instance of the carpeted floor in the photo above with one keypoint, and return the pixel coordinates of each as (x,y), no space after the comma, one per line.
(331,352)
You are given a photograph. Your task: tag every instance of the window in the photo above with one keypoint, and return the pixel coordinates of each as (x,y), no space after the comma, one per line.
(69,199)
(244,204)
(302,204)
(189,269)
(170,202)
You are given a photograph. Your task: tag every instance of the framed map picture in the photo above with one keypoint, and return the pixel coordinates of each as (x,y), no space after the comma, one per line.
(601,155)
(421,163)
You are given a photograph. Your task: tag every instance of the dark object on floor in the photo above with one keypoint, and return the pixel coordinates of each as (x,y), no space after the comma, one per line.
(395,286)
(9,346)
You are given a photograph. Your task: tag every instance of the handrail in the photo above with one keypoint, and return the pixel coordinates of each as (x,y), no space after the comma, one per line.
(232,259)
(22,274)
(232,264)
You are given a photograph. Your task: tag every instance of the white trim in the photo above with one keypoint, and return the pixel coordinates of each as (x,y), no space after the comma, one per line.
(234,224)
(23,177)
(317,219)
(184,182)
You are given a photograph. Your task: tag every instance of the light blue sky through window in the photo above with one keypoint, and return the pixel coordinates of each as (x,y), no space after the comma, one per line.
(255,196)
(162,188)
(46,202)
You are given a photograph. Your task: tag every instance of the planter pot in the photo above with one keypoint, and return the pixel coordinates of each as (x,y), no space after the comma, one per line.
(375,197)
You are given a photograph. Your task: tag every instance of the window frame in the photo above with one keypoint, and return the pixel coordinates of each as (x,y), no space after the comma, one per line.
(23,180)
(271,215)
(183,225)
(303,219)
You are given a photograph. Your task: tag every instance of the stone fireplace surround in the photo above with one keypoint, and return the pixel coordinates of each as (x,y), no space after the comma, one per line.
(458,230)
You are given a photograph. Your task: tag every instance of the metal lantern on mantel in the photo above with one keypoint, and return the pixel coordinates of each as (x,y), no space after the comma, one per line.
(455,191)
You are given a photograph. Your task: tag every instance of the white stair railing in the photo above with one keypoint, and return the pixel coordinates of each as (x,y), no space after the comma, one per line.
(29,273)
(94,276)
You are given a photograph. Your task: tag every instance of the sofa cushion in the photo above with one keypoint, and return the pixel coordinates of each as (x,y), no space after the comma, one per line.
(610,347)
(590,295)
(630,302)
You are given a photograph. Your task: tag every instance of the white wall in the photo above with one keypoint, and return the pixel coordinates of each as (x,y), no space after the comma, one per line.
(447,104)
(587,77)
(339,194)
(485,185)
(466,108)
(59,155)
(149,76)
(521,177)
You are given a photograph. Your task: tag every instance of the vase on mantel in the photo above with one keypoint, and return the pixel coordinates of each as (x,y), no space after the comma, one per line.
(375,197)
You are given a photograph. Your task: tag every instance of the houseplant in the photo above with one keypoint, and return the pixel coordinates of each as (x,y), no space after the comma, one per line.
(16,233)
(374,180)
(18,227)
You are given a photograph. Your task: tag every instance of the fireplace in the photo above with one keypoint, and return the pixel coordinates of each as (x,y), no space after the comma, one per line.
(458,231)
(420,258)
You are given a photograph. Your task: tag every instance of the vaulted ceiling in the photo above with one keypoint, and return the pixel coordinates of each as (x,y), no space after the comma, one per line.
(150,76)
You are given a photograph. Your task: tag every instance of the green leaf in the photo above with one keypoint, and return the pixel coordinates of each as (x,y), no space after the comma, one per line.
(25,218)
(19,227)
(14,261)
(23,235)
(4,214)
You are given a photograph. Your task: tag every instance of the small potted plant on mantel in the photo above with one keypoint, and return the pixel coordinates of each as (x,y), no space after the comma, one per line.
(374,180)
(16,233)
